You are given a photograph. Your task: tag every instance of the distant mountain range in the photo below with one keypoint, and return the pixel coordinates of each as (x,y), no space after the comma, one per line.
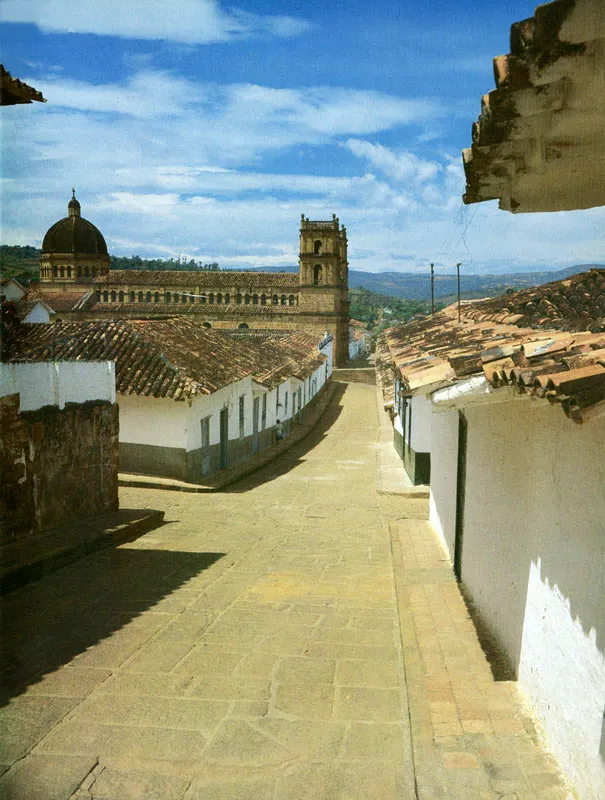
(412,286)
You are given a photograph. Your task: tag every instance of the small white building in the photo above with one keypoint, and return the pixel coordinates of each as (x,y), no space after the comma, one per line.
(192,400)
(508,423)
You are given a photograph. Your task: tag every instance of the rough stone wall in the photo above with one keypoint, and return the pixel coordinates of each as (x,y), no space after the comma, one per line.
(56,466)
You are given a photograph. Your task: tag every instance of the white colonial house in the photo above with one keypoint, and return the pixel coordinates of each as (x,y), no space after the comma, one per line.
(192,400)
(502,415)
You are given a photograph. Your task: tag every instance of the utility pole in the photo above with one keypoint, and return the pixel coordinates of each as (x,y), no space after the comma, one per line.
(432,288)
(458,273)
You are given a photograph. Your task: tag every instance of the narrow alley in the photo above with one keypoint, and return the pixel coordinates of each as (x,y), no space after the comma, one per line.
(298,635)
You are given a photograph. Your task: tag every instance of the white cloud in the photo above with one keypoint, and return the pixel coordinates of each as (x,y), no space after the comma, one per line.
(400,166)
(187,21)
(189,177)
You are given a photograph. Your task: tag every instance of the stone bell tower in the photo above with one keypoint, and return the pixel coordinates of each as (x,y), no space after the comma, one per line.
(324,280)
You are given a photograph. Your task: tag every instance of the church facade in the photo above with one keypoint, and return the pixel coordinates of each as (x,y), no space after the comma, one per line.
(76,281)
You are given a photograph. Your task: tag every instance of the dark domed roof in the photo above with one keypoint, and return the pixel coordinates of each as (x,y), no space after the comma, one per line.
(74,234)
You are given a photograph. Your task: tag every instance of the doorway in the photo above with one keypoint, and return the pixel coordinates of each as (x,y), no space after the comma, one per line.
(255,410)
(224,437)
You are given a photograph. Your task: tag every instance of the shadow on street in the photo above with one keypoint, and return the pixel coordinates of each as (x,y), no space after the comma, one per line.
(48,623)
(294,455)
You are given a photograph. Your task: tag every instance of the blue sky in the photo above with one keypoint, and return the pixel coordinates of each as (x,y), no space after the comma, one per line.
(203,129)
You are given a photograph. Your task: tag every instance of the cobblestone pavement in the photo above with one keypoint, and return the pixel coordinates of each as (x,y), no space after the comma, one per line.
(252,648)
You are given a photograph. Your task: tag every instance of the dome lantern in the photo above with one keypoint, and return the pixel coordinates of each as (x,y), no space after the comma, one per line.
(73,207)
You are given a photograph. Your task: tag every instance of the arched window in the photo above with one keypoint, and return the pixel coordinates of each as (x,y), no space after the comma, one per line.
(98,295)
(62,272)
(263,299)
(166,297)
(113,296)
(86,273)
(243,326)
(203,298)
(55,272)
(291,300)
(254,299)
(141,297)
(105,296)
(283,300)
(238,299)
(183,298)
(69,272)
(133,297)
(317,246)
(219,298)
(275,300)
(317,274)
(175,297)
(247,299)
(79,271)
(148,297)
(211,298)
(206,325)
(156,297)
(227,299)
(121,297)
(191,298)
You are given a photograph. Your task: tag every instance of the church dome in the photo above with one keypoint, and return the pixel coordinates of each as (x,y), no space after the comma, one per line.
(74,234)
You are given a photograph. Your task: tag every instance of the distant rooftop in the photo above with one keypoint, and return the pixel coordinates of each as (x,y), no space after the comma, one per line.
(14,91)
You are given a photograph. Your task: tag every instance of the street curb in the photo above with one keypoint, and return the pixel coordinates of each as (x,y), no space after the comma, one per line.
(108,530)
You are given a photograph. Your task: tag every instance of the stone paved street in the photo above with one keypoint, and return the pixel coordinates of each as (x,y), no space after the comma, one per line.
(251,647)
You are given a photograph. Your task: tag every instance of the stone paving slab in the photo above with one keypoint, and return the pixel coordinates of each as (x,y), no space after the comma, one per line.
(295,636)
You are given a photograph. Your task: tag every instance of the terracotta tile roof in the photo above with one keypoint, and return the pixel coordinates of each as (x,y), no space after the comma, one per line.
(14,91)
(77,300)
(575,304)
(563,366)
(175,358)
(538,142)
(206,309)
(204,279)
(385,372)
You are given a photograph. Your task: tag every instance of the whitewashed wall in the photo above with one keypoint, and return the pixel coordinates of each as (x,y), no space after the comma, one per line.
(158,421)
(40,314)
(13,290)
(55,383)
(326,349)
(444,465)
(419,437)
(534,563)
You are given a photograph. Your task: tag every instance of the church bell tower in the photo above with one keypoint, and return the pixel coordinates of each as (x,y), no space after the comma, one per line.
(324,279)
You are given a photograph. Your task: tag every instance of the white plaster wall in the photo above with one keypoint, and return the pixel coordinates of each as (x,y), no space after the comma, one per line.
(422,415)
(327,350)
(157,421)
(533,561)
(444,465)
(55,383)
(39,314)
(12,291)
(211,405)
(355,347)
